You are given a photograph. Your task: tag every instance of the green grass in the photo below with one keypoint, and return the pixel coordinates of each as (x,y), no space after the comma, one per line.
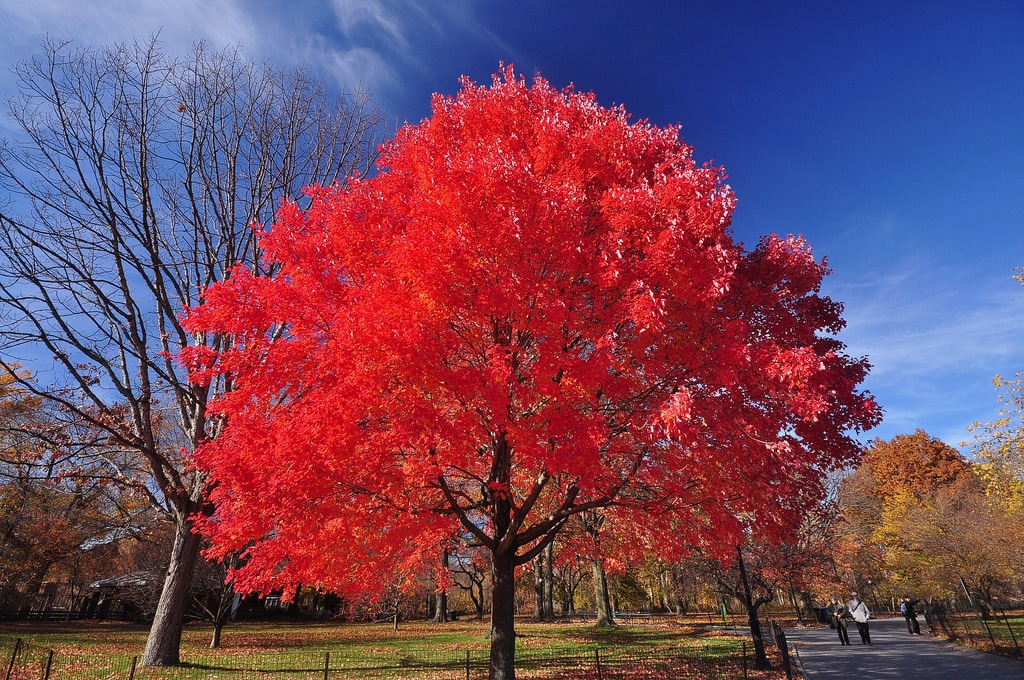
(1003,633)
(416,650)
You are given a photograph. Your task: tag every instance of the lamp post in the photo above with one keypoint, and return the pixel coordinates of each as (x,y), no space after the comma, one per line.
(874,595)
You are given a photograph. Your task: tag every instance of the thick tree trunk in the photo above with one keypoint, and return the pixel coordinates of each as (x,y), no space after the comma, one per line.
(441,607)
(441,600)
(602,602)
(164,642)
(549,582)
(503,611)
(760,657)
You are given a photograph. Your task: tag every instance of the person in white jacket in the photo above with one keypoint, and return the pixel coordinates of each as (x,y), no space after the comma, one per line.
(861,614)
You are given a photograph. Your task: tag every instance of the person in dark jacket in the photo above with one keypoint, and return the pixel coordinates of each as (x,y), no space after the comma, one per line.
(839,618)
(910,614)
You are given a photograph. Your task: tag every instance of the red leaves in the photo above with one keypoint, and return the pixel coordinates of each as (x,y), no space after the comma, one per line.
(534,288)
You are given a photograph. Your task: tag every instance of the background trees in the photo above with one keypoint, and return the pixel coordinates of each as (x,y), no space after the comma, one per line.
(537,311)
(134,181)
(932,521)
(1000,443)
(59,511)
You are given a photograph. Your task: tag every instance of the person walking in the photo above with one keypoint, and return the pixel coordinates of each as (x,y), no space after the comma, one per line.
(861,614)
(839,616)
(910,614)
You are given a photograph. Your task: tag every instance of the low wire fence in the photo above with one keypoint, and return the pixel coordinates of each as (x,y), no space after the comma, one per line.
(998,631)
(688,659)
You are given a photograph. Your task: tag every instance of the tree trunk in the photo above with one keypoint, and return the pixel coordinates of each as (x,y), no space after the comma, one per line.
(571,578)
(476,595)
(441,608)
(538,587)
(218,628)
(164,642)
(602,602)
(503,610)
(760,657)
(549,582)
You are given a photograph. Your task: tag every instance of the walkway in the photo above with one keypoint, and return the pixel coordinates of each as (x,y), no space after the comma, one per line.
(894,654)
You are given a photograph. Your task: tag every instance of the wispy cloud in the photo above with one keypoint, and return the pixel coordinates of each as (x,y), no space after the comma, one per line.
(99,22)
(396,37)
(357,17)
(382,44)
(935,338)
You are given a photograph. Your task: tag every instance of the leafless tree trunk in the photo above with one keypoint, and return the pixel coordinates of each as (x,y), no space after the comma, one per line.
(549,582)
(601,600)
(133,184)
(543,578)
(592,523)
(752,581)
(441,595)
(538,587)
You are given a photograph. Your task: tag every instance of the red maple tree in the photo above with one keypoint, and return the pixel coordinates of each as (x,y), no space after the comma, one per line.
(534,310)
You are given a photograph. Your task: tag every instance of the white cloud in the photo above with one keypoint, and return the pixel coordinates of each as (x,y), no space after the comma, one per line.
(358,16)
(287,34)
(357,66)
(935,337)
(99,22)
(381,44)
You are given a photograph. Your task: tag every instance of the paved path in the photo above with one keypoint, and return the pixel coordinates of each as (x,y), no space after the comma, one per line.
(894,654)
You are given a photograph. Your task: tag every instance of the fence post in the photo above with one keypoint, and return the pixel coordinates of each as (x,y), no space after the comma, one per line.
(467,664)
(327,664)
(14,657)
(991,637)
(597,658)
(131,673)
(49,664)
(1013,637)
(783,645)
(745,677)
(963,624)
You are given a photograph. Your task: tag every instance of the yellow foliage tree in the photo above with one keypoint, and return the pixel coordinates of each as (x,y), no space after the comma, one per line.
(921,512)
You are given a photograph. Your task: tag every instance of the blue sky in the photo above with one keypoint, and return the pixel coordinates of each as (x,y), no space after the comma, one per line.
(890,134)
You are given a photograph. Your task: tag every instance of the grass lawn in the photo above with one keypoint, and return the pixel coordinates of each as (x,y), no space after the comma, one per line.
(364,651)
(1002,634)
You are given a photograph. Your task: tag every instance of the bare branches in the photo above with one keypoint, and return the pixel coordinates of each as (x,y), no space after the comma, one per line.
(135,182)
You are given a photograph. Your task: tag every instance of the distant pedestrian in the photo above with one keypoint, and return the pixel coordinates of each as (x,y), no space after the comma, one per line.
(839,615)
(910,614)
(861,614)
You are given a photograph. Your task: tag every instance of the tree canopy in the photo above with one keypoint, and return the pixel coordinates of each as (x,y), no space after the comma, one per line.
(535,310)
(930,519)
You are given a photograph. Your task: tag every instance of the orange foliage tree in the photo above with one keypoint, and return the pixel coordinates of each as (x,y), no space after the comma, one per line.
(921,513)
(534,311)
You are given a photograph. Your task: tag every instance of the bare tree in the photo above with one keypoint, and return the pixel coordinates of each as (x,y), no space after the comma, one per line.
(134,183)
(469,568)
(752,578)
(213,596)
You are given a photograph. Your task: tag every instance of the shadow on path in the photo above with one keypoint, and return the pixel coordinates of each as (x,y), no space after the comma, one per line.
(894,654)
